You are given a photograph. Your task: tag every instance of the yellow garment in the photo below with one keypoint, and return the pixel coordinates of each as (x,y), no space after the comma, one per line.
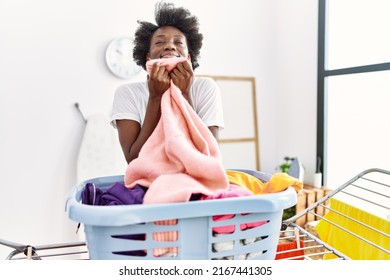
(243,179)
(281,181)
(278,182)
(348,244)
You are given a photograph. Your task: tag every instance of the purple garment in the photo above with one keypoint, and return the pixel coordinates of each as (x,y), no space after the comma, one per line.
(117,194)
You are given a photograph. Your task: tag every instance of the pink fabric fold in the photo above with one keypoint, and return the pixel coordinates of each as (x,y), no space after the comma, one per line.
(181,157)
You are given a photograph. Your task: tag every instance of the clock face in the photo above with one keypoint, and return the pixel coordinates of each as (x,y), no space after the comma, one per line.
(119,58)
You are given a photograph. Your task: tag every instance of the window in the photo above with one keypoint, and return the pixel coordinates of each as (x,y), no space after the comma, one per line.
(353,88)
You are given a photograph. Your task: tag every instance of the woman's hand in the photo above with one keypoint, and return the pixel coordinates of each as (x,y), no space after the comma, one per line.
(158,81)
(182,76)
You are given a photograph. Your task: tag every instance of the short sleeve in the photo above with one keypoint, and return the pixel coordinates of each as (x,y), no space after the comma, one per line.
(208,103)
(126,105)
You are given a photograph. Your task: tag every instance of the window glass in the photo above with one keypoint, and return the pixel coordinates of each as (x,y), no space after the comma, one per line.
(358,125)
(357,33)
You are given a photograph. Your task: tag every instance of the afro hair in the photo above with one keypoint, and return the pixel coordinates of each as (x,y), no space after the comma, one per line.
(167,15)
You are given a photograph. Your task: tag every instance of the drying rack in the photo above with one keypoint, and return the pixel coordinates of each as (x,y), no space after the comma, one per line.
(368,193)
(71,250)
(370,190)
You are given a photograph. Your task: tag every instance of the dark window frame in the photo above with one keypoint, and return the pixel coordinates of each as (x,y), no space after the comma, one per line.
(322,74)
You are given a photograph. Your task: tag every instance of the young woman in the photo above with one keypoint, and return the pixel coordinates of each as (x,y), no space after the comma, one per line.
(136,106)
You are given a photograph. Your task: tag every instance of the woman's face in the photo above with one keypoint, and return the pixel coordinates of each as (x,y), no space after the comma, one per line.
(166,42)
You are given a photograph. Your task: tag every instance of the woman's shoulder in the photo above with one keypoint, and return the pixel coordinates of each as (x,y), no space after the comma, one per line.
(131,89)
(204,81)
(136,86)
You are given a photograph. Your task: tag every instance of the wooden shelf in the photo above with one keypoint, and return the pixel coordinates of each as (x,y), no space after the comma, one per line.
(307,197)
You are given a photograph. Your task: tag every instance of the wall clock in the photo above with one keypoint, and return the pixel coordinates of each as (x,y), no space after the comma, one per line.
(119,58)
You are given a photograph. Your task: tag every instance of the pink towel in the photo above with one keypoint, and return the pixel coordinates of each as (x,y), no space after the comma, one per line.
(181,157)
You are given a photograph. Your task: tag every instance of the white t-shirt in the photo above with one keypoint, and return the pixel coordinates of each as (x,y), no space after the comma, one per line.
(131,100)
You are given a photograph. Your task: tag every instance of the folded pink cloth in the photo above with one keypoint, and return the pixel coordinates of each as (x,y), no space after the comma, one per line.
(181,157)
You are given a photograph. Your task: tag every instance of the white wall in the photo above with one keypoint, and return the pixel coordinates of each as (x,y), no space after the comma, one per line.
(52,55)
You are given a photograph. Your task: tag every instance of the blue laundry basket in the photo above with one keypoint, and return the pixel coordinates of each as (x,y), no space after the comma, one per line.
(185,230)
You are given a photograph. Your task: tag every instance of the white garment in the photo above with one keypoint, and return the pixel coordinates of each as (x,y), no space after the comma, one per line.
(131,100)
